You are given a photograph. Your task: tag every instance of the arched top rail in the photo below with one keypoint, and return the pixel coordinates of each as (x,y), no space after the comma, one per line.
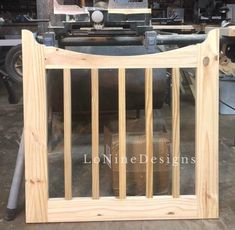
(186,57)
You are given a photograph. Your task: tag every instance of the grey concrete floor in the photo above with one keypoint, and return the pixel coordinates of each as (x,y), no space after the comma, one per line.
(11,128)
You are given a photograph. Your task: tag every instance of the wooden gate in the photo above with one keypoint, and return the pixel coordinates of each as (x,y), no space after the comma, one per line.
(203,204)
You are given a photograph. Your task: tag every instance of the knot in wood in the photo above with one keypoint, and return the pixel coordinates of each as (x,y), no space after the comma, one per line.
(206,61)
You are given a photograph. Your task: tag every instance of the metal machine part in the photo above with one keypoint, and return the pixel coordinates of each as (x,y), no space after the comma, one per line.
(171,20)
(68,9)
(214,11)
(97,16)
(13,63)
(227,95)
(12,98)
(134,15)
(29,19)
(177,39)
(150,41)
(128,4)
(49,39)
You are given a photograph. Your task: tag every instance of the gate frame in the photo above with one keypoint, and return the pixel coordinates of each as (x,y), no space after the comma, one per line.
(204,204)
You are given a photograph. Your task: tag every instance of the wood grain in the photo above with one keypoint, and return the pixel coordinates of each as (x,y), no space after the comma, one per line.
(132,208)
(68,9)
(35,130)
(67,135)
(122,132)
(95,132)
(60,59)
(130,11)
(149,131)
(176,132)
(228,31)
(173,27)
(224,31)
(37,58)
(207,121)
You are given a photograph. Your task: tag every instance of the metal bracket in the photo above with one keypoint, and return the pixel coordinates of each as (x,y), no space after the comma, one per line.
(150,41)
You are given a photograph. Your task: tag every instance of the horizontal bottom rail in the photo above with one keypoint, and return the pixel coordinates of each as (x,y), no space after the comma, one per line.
(132,208)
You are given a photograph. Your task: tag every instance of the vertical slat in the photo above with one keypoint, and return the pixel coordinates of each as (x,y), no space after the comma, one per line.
(95,132)
(35,129)
(207,121)
(122,133)
(67,135)
(149,130)
(176,132)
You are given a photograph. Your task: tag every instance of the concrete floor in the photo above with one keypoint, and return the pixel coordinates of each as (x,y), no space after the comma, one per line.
(11,128)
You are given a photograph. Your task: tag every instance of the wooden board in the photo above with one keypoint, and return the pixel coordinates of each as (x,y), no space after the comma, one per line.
(122,132)
(56,58)
(176,132)
(228,31)
(204,204)
(95,132)
(149,131)
(130,11)
(35,130)
(67,135)
(174,27)
(207,117)
(132,208)
(68,9)
(224,31)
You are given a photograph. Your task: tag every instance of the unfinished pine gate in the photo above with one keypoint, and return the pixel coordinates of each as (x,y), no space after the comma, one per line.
(203,204)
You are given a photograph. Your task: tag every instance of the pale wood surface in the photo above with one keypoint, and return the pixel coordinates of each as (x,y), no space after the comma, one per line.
(67,135)
(35,130)
(173,27)
(38,58)
(11,122)
(227,66)
(149,131)
(132,208)
(122,132)
(130,11)
(95,132)
(176,132)
(60,59)
(68,9)
(226,31)
(207,121)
